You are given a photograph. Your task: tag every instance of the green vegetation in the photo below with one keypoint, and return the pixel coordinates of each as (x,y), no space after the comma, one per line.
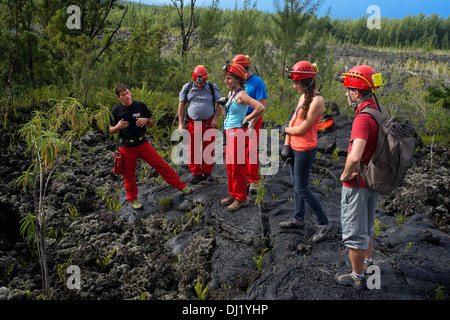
(201,293)
(102,261)
(259,259)
(57,83)
(43,61)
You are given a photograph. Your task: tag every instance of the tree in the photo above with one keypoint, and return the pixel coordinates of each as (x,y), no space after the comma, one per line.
(48,149)
(243,27)
(290,23)
(209,24)
(187,23)
(50,146)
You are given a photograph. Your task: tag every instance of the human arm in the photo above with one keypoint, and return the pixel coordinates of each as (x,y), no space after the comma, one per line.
(258,107)
(216,116)
(119,126)
(352,164)
(181,114)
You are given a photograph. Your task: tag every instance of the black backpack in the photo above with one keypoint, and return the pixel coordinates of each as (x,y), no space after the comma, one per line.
(391,159)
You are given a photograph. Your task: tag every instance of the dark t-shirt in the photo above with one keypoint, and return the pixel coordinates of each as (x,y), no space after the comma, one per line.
(131,113)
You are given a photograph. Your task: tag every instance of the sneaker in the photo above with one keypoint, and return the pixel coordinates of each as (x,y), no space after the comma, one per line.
(238,204)
(227,201)
(136,204)
(196,178)
(350,280)
(321,232)
(292,223)
(208,177)
(186,190)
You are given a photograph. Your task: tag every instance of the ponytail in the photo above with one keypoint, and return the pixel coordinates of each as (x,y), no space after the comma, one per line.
(309,85)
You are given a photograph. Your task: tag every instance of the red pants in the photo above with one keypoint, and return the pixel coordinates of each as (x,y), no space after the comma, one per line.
(235,157)
(252,154)
(147,153)
(197,146)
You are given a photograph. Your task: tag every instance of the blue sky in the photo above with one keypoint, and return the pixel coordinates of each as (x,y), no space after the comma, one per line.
(347,8)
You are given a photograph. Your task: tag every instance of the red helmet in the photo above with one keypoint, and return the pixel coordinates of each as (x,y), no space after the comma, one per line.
(241,60)
(200,71)
(302,70)
(362,77)
(236,69)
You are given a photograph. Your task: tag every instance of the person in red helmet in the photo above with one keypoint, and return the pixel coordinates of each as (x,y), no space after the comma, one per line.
(256,89)
(237,136)
(131,119)
(301,137)
(358,202)
(201,95)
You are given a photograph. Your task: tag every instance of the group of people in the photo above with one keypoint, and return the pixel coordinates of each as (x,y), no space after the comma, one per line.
(200,105)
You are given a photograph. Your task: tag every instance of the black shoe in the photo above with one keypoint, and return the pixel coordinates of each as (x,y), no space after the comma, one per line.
(208,177)
(196,178)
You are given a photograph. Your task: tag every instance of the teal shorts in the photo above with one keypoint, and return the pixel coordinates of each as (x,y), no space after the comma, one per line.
(358,206)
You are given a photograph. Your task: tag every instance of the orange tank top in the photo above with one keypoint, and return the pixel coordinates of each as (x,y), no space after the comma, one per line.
(308,140)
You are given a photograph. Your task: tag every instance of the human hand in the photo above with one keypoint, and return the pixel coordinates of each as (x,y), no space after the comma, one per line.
(286,153)
(122,124)
(283,129)
(223,101)
(141,122)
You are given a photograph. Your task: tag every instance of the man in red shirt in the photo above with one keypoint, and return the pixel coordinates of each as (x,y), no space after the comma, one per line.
(358,202)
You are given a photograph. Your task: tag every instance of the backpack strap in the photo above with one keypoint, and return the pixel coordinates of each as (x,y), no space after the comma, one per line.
(211,88)
(191,84)
(378,115)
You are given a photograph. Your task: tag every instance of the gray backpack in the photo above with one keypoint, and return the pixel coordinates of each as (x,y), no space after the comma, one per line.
(391,159)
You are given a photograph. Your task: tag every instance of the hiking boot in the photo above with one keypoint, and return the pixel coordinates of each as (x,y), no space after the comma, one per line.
(238,204)
(227,201)
(196,178)
(136,204)
(208,177)
(186,190)
(321,232)
(292,223)
(350,280)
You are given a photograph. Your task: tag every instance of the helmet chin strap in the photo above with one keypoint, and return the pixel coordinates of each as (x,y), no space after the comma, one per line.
(235,82)
(309,85)
(354,104)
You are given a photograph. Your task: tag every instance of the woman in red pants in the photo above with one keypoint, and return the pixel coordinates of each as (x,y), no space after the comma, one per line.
(237,135)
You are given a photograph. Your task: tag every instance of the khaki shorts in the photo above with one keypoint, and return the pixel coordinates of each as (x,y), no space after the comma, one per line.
(358,206)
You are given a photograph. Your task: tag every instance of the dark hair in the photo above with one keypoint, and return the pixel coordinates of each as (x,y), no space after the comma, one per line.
(364,93)
(121,87)
(310,85)
(238,78)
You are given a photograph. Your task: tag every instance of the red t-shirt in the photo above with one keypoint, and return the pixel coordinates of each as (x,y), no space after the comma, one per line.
(364,127)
